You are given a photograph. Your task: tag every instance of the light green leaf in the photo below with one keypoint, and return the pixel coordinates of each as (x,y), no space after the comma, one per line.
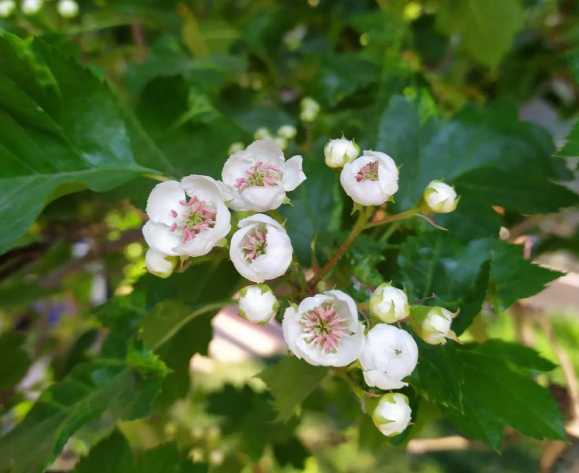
(287,393)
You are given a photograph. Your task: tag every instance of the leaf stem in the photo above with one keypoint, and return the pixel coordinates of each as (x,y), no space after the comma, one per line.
(394,218)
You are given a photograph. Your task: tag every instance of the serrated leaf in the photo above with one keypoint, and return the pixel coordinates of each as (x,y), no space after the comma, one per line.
(60,131)
(288,393)
(483,389)
(515,277)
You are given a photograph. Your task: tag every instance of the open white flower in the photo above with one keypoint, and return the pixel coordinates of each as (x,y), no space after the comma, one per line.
(340,151)
(435,326)
(392,415)
(324,330)
(31,7)
(187,218)
(371,179)
(258,303)
(440,197)
(261,249)
(390,354)
(7,7)
(159,263)
(389,304)
(258,177)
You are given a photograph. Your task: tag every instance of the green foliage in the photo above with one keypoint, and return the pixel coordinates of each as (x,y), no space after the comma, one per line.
(11,349)
(485,388)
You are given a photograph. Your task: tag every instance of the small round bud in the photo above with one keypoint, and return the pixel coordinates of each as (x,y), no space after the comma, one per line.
(235,147)
(340,151)
(287,131)
(440,197)
(160,264)
(31,7)
(309,109)
(392,414)
(7,8)
(435,326)
(258,303)
(262,133)
(389,304)
(67,8)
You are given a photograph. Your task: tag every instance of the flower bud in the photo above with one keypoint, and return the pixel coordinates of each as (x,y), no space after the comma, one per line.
(440,197)
(261,249)
(258,303)
(309,109)
(324,330)
(235,147)
(389,355)
(160,264)
(7,7)
(370,179)
(433,325)
(262,133)
(340,151)
(287,131)
(389,303)
(392,415)
(31,7)
(67,8)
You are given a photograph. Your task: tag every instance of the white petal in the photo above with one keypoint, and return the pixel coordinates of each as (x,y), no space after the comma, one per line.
(380,380)
(203,187)
(159,263)
(161,238)
(293,174)
(163,199)
(260,218)
(205,241)
(266,150)
(262,199)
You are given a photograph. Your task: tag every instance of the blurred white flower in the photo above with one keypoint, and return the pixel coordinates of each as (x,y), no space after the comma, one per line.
(31,7)
(235,147)
(440,197)
(389,303)
(160,264)
(67,8)
(258,303)
(390,354)
(7,8)
(340,151)
(371,179)
(258,177)
(262,133)
(261,249)
(309,109)
(324,330)
(435,326)
(187,218)
(287,131)
(392,415)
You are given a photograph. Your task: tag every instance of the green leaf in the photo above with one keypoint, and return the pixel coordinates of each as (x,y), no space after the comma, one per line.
(515,277)
(486,28)
(122,390)
(16,359)
(287,393)
(571,147)
(483,389)
(437,269)
(60,131)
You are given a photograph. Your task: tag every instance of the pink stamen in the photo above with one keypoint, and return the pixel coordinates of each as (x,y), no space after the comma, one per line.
(259,175)
(196,217)
(254,243)
(368,172)
(324,327)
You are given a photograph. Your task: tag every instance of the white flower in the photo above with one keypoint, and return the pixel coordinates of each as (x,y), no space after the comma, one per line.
(435,326)
(67,8)
(258,303)
(440,197)
(371,179)
(390,354)
(287,131)
(31,7)
(309,109)
(324,330)
(389,303)
(392,414)
(258,177)
(262,133)
(340,151)
(187,218)
(7,8)
(159,263)
(261,249)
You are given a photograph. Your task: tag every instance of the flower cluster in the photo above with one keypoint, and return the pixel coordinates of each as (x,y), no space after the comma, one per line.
(188,218)
(65,8)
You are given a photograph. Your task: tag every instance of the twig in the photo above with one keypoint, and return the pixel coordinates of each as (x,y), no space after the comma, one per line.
(453,442)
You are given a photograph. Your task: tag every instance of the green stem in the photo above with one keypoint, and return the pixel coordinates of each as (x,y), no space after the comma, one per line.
(394,218)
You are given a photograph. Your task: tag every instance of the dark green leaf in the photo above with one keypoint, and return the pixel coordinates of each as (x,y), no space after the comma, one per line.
(16,360)
(287,393)
(113,455)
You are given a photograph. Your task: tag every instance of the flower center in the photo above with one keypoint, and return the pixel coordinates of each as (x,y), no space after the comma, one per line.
(196,217)
(259,175)
(254,243)
(368,172)
(324,327)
